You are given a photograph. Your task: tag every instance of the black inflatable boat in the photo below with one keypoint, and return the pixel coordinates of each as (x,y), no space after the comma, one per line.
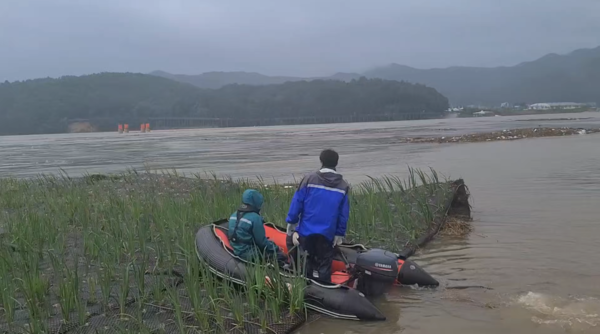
(407,273)
(337,300)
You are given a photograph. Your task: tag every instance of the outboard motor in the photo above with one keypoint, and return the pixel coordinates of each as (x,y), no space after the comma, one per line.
(376,270)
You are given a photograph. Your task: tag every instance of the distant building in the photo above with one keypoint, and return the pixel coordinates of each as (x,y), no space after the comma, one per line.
(540,106)
(558,105)
(474,106)
(483,113)
(505,105)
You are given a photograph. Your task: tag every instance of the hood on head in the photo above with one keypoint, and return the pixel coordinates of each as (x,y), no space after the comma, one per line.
(330,179)
(253,198)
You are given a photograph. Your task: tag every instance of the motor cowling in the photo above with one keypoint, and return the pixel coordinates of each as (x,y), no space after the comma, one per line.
(376,271)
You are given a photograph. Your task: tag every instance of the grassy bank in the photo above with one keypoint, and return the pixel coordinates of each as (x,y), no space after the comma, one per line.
(116,253)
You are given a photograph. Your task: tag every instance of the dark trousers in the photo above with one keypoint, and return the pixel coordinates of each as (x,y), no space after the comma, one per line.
(281,258)
(316,252)
(277,257)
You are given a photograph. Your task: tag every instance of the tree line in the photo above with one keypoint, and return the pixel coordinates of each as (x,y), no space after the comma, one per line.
(46,105)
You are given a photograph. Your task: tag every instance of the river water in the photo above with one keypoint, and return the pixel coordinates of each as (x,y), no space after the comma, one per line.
(535,207)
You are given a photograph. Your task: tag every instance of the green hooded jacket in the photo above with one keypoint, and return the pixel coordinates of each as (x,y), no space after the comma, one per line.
(250,239)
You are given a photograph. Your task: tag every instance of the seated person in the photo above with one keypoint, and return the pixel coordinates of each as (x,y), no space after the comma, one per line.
(247,233)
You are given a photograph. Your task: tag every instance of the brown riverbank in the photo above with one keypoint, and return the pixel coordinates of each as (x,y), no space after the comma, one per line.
(512,134)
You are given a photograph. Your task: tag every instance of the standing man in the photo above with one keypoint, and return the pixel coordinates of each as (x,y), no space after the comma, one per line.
(316,221)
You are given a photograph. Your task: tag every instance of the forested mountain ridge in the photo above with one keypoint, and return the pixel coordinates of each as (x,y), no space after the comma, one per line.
(219,79)
(574,77)
(42,105)
(45,105)
(216,80)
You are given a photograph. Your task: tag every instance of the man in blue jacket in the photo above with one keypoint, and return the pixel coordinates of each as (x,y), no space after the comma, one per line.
(318,215)
(246,231)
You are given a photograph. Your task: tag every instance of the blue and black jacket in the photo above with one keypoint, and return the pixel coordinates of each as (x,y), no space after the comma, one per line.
(320,205)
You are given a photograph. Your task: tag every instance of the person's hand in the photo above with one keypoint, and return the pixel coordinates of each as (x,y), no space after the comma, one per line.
(338,240)
(295,239)
(290,228)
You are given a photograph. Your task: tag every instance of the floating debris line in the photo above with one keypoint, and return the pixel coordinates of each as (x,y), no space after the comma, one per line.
(513,134)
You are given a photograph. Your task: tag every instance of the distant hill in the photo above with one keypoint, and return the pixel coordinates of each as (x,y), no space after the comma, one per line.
(219,79)
(45,105)
(41,105)
(574,77)
(214,80)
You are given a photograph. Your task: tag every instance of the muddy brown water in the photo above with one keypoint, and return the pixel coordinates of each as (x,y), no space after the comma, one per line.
(536,205)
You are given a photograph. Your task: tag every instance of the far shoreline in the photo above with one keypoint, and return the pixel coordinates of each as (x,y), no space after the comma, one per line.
(504,135)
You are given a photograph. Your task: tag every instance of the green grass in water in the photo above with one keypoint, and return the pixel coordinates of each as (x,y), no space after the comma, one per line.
(95,240)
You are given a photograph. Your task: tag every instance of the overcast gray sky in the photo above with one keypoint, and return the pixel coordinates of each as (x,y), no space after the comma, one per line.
(40,38)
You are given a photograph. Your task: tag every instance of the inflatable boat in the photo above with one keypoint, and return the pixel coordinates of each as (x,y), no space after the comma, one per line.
(335,300)
(357,272)
(409,273)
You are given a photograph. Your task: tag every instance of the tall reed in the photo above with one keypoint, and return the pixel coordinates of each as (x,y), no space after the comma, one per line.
(120,228)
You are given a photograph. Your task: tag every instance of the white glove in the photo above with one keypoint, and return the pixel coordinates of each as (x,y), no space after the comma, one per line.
(291,228)
(295,239)
(338,240)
